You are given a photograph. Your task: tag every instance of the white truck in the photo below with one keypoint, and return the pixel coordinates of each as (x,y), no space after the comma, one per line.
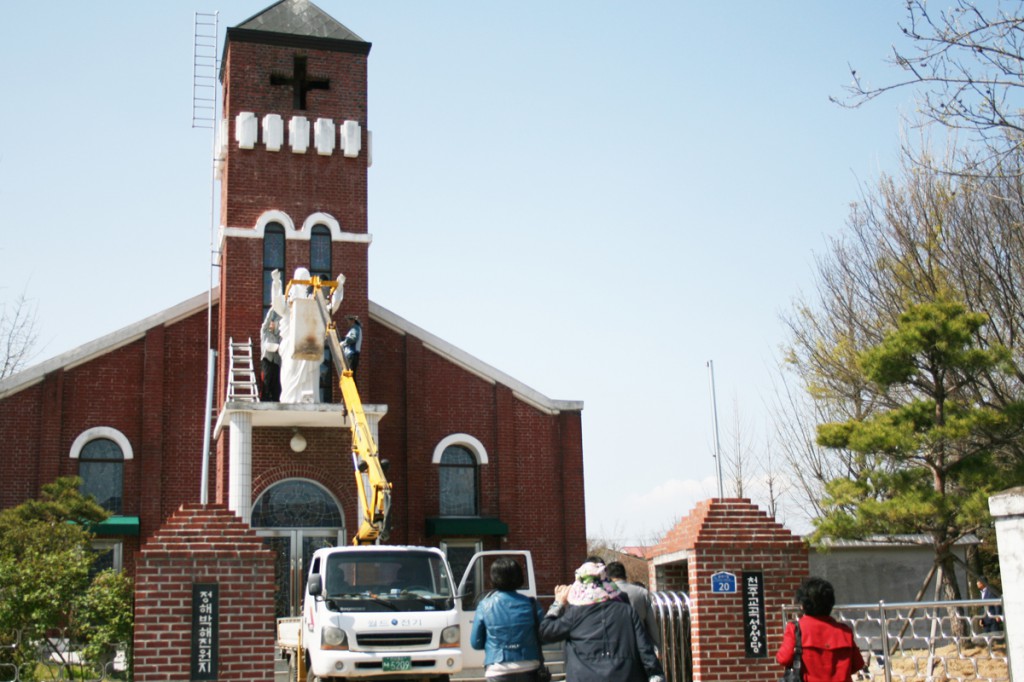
(388,612)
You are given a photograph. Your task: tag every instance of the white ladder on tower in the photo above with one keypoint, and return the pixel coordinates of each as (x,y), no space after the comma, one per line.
(241,372)
(205,67)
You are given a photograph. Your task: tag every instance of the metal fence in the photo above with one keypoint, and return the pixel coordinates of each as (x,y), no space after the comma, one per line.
(902,642)
(26,656)
(926,641)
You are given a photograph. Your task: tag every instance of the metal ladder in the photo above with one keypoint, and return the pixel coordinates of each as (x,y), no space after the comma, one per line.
(241,372)
(205,67)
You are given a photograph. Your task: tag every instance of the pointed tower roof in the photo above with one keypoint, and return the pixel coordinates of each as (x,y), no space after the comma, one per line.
(296,23)
(301,18)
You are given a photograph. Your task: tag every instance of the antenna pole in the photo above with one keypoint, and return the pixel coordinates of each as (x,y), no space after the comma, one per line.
(714,424)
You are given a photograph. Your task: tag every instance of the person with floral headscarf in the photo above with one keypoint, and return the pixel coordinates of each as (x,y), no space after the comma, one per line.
(604,637)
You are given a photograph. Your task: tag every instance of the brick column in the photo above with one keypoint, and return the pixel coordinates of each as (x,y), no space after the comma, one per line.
(731,536)
(151,461)
(51,452)
(207,545)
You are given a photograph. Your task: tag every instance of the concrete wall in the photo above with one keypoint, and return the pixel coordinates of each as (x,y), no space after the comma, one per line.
(866,573)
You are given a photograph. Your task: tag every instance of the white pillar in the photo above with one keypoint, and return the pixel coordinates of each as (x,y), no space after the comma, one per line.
(1008,511)
(240,466)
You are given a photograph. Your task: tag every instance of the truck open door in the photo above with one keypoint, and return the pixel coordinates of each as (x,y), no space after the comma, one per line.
(476,583)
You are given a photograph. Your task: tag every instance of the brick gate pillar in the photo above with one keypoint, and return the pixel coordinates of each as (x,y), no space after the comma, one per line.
(739,568)
(204,599)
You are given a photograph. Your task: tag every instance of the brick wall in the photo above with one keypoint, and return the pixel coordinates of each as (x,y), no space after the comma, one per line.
(533,480)
(733,536)
(151,389)
(204,545)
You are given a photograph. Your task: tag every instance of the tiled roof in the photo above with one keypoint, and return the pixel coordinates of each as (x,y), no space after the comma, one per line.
(298,17)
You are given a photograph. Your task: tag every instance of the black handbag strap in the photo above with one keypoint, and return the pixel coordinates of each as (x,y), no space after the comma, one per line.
(798,651)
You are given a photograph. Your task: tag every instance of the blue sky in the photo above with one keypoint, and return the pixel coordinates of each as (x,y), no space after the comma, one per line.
(594,197)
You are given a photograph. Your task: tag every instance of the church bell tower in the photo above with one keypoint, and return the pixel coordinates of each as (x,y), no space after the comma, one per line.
(292,159)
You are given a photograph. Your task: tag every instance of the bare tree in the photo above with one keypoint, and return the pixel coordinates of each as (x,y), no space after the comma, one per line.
(966,63)
(738,455)
(774,483)
(927,235)
(18,335)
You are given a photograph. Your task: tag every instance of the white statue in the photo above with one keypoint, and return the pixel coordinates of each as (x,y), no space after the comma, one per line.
(300,378)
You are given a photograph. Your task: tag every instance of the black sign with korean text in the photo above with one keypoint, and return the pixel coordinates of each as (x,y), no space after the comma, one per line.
(205,611)
(755,638)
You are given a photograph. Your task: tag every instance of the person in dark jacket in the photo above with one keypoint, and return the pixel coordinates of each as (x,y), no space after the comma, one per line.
(829,653)
(505,627)
(352,344)
(992,621)
(604,637)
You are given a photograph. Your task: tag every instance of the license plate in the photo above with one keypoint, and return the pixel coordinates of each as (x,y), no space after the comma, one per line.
(397,663)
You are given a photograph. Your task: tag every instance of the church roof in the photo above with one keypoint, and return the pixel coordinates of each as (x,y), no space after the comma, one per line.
(298,17)
(197,304)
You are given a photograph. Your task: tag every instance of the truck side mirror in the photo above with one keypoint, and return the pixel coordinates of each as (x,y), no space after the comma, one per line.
(315,587)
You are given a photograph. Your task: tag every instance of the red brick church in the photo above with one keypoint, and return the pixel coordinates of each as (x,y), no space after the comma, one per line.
(477,459)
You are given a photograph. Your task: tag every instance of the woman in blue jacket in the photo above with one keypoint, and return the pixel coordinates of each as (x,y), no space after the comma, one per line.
(505,627)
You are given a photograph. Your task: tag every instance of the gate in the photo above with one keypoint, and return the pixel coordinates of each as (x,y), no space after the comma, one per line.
(672,614)
(925,641)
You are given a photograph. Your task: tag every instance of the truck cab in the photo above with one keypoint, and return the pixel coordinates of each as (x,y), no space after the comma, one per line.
(390,612)
(374,610)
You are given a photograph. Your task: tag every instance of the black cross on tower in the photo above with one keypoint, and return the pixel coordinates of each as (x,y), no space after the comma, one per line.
(300,82)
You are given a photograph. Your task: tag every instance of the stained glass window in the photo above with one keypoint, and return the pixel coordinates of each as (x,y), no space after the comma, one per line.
(273,259)
(458,477)
(101,468)
(320,252)
(320,266)
(296,504)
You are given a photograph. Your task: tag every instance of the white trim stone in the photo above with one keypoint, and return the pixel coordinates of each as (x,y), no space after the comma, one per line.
(463,439)
(97,432)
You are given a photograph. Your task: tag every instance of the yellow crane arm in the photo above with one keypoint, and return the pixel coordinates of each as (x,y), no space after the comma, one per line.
(372,484)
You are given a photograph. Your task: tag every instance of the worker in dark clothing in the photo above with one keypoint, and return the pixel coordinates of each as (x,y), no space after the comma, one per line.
(352,344)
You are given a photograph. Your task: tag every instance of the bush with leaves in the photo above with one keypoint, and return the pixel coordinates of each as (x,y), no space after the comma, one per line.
(103,619)
(45,586)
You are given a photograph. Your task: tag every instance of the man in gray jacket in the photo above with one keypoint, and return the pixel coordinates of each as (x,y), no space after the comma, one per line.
(639,599)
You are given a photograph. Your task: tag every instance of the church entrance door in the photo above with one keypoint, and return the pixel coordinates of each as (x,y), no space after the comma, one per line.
(293,549)
(295,518)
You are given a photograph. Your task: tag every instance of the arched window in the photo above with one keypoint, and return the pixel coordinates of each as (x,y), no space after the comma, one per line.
(296,503)
(273,259)
(459,482)
(320,266)
(320,251)
(101,468)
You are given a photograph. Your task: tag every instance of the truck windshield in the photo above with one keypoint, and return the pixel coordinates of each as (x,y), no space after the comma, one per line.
(377,580)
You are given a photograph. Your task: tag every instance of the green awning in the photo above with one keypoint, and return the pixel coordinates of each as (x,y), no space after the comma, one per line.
(118,525)
(442,525)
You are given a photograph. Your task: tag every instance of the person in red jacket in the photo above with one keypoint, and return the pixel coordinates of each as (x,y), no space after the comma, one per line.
(830,653)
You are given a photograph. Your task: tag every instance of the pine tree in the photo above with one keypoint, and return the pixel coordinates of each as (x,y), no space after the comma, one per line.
(929,462)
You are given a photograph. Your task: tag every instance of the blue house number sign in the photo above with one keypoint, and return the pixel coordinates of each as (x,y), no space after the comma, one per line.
(723,583)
